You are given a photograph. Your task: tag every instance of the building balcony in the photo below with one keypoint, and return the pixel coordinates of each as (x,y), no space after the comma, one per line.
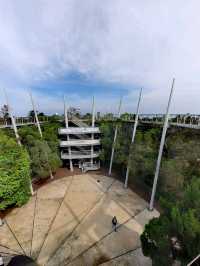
(78,130)
(79,155)
(79,142)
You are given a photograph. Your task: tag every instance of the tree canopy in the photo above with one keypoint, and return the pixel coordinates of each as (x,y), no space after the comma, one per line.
(43,152)
(178,190)
(180,221)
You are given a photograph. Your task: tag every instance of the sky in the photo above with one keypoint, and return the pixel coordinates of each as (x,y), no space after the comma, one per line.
(107,48)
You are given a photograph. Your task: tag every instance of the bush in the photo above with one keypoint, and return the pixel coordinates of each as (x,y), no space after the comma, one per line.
(107,131)
(14,173)
(180,220)
(43,154)
(143,154)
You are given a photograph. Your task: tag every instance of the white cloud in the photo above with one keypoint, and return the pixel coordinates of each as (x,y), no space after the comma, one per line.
(139,43)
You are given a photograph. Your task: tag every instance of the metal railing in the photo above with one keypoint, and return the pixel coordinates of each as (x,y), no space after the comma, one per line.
(78,122)
(79,142)
(21,121)
(81,154)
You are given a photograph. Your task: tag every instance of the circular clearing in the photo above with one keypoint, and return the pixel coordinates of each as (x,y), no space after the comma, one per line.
(69,222)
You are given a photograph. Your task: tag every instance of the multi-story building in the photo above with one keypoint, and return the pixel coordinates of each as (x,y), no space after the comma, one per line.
(80,143)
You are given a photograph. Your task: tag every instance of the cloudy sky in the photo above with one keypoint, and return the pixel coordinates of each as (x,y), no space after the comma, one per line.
(107,48)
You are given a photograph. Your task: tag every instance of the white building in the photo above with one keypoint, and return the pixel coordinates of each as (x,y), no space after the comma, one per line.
(80,143)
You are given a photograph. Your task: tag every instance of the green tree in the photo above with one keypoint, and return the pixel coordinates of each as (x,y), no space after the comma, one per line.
(87,116)
(181,161)
(43,152)
(107,131)
(14,173)
(143,154)
(31,114)
(50,134)
(42,158)
(181,221)
(4,112)
(122,147)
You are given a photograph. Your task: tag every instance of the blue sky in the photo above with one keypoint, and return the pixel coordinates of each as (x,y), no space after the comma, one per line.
(85,87)
(103,48)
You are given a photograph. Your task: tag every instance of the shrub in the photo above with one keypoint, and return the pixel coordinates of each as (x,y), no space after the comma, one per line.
(181,221)
(14,173)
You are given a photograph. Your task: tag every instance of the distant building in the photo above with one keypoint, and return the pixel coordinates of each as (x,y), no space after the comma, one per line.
(98,115)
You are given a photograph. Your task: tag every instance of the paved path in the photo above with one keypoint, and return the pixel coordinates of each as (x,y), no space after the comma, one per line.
(68,222)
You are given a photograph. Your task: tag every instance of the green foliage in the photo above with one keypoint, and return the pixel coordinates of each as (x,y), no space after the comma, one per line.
(27,131)
(127,116)
(121,146)
(181,161)
(178,186)
(55,118)
(14,173)
(31,113)
(87,116)
(180,220)
(50,134)
(143,156)
(172,176)
(107,131)
(155,241)
(43,152)
(42,158)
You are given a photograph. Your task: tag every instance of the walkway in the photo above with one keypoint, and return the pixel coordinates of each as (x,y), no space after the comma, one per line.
(68,222)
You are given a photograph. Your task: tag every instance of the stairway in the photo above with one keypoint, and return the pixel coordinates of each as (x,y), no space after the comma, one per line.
(78,122)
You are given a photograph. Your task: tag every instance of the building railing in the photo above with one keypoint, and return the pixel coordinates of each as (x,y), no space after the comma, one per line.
(79,155)
(78,130)
(21,121)
(79,142)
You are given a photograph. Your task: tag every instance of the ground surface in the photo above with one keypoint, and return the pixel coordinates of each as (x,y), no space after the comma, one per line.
(68,222)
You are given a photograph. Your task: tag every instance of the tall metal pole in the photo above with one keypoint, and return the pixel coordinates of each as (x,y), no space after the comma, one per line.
(93,112)
(15,130)
(133,136)
(67,125)
(40,131)
(65,114)
(36,116)
(114,140)
(151,205)
(12,119)
(92,135)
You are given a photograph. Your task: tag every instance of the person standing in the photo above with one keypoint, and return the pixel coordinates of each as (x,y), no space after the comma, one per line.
(114,223)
